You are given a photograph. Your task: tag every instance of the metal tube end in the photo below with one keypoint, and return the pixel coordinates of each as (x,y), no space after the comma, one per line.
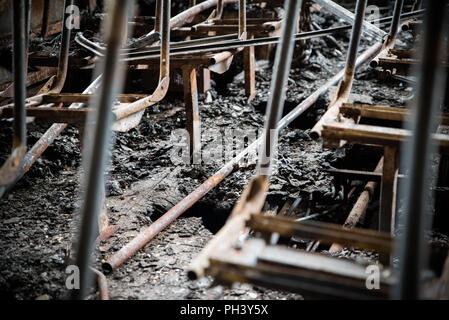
(107,267)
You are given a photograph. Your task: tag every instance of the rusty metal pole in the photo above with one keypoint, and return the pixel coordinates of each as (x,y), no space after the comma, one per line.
(20,52)
(281,70)
(395,21)
(242,20)
(63,63)
(45,16)
(97,141)
(102,284)
(165,45)
(359,207)
(157,23)
(249,63)
(345,84)
(219,13)
(11,169)
(391,37)
(417,153)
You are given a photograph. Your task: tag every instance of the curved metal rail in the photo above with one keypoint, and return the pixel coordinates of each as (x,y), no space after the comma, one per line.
(159,93)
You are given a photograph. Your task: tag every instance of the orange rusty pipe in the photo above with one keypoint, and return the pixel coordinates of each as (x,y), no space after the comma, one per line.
(164,69)
(149,233)
(63,52)
(360,206)
(345,85)
(102,284)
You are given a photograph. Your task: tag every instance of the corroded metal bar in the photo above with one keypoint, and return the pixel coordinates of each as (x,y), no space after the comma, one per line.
(97,142)
(388,189)
(102,284)
(276,99)
(391,38)
(157,23)
(242,19)
(45,18)
(417,155)
(149,233)
(53,114)
(193,123)
(345,84)
(322,231)
(376,135)
(396,18)
(63,63)
(359,207)
(164,71)
(10,170)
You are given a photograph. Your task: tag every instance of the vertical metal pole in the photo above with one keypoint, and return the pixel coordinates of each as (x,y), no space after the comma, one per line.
(219,9)
(27,28)
(391,37)
(98,141)
(19,47)
(345,85)
(396,18)
(157,23)
(353,46)
(63,51)
(45,15)
(165,45)
(281,69)
(242,19)
(416,155)
(11,169)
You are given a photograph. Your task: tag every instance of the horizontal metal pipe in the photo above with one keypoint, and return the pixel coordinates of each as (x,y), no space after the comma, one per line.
(211,46)
(147,234)
(220,45)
